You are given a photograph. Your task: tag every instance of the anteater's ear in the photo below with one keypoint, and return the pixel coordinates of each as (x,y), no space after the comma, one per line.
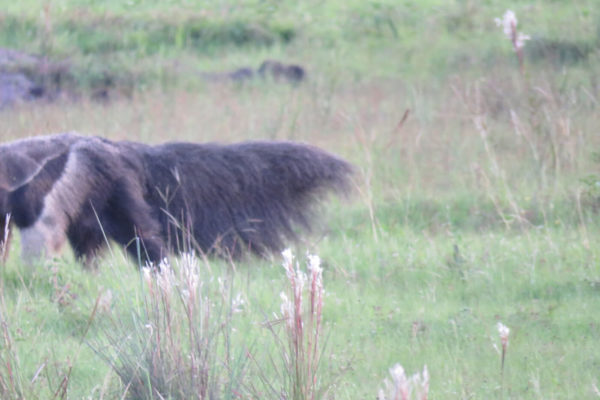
(18,169)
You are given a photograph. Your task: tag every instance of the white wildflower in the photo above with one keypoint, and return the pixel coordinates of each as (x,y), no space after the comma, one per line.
(397,373)
(189,266)
(288,258)
(421,383)
(508,23)
(237,304)
(165,277)
(520,40)
(287,310)
(316,272)
(300,281)
(147,271)
(314,264)
(401,387)
(504,331)
(164,263)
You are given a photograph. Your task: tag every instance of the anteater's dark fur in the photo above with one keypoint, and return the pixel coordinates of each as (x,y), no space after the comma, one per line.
(223,199)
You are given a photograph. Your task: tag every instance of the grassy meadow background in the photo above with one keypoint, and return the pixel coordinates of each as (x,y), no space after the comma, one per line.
(476,202)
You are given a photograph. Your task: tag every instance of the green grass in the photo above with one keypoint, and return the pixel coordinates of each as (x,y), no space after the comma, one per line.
(472,211)
(409,298)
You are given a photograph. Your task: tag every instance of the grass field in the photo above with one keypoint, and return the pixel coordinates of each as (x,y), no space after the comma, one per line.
(476,201)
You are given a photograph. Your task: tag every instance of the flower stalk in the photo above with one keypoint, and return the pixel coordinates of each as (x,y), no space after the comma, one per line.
(504,332)
(508,22)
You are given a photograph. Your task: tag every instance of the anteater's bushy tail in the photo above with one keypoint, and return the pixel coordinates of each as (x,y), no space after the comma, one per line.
(254,196)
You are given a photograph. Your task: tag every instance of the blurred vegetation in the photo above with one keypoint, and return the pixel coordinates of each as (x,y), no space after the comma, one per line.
(150,42)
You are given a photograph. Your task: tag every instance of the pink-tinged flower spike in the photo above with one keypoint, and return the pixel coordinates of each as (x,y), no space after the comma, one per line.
(520,40)
(401,387)
(508,23)
(401,382)
(422,384)
(504,332)
(288,258)
(509,27)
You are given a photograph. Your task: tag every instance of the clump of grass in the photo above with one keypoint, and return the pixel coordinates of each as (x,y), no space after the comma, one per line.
(177,347)
(546,139)
(402,387)
(301,344)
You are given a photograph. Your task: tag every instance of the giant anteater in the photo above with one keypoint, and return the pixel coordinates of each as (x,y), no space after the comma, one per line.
(212,198)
